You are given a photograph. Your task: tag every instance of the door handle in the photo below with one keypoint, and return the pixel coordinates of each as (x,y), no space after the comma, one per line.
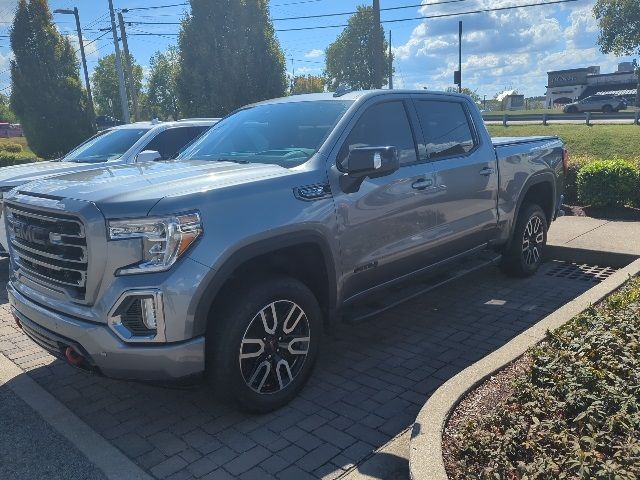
(422,184)
(487,171)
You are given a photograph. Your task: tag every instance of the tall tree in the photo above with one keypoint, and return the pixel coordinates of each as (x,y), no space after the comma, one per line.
(106,93)
(47,94)
(6,114)
(619,22)
(162,88)
(307,84)
(350,58)
(229,56)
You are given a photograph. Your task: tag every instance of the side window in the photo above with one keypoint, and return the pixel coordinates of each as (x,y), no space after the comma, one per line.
(170,142)
(446,128)
(383,125)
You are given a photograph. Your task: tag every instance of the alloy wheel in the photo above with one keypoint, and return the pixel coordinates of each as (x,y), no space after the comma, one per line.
(533,241)
(274,347)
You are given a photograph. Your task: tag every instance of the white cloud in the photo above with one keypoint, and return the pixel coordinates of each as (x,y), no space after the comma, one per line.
(315,53)
(503,50)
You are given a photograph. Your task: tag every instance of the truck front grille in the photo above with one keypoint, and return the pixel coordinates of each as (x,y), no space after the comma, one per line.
(49,248)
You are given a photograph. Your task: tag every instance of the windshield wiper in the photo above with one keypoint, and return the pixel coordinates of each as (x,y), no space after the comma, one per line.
(233,160)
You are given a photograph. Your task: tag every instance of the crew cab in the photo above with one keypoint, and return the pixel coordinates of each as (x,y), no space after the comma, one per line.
(126,144)
(230,261)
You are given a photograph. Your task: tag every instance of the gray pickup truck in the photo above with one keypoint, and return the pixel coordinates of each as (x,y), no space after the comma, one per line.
(230,261)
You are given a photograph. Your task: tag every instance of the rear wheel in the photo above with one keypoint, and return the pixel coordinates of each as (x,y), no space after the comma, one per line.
(262,345)
(607,109)
(524,253)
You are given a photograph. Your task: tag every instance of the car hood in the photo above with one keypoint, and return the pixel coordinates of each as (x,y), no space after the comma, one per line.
(27,172)
(128,190)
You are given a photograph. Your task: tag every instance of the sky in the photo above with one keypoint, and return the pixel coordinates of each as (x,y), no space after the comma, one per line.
(504,50)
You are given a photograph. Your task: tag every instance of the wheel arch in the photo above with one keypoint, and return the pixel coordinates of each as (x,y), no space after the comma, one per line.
(306,256)
(540,187)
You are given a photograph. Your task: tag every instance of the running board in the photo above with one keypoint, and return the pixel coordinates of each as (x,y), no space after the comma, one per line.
(405,291)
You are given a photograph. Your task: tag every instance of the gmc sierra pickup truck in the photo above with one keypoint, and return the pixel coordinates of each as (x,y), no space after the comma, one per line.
(230,261)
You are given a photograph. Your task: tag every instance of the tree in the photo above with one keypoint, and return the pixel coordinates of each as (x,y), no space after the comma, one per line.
(6,114)
(46,94)
(350,58)
(229,56)
(619,22)
(106,93)
(307,84)
(162,88)
(467,91)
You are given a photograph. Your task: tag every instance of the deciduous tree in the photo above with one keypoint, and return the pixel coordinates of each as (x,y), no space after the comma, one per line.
(619,22)
(350,58)
(162,88)
(106,93)
(46,94)
(308,84)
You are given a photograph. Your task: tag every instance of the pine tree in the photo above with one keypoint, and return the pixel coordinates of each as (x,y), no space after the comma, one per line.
(229,56)
(47,95)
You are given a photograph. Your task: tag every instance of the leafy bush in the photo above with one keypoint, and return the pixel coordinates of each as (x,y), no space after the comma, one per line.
(606,183)
(11,147)
(9,158)
(576,413)
(570,183)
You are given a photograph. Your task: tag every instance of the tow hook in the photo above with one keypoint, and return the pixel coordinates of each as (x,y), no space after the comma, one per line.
(73,357)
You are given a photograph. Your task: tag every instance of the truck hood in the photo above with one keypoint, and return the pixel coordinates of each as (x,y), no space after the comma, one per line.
(18,174)
(128,190)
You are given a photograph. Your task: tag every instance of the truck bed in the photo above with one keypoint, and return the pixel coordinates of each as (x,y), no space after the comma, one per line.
(505,141)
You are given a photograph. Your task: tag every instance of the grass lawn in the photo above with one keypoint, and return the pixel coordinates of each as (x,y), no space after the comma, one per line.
(573,413)
(598,142)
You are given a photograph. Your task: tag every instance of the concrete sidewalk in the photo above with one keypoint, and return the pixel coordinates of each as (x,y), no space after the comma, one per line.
(588,233)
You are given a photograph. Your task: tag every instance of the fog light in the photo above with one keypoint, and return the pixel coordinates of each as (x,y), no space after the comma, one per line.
(149,313)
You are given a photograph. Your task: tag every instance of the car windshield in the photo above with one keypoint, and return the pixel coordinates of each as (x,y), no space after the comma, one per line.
(285,134)
(105,146)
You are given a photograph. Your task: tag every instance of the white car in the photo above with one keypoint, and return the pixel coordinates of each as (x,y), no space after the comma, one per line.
(124,144)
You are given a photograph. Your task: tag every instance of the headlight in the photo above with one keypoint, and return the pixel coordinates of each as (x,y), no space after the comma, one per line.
(164,239)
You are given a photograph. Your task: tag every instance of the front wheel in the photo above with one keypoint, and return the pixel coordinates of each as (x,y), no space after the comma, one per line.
(263,343)
(523,256)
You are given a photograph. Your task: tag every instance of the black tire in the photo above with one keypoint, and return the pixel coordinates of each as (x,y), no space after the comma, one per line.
(235,330)
(572,110)
(525,252)
(607,109)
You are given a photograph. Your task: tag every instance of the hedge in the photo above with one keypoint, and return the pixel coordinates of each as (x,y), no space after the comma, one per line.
(607,183)
(10,158)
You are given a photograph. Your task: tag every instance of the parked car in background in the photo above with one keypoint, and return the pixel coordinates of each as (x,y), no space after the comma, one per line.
(125,144)
(106,121)
(231,260)
(597,103)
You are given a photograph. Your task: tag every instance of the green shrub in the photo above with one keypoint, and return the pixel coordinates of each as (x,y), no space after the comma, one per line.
(9,158)
(11,147)
(606,183)
(570,183)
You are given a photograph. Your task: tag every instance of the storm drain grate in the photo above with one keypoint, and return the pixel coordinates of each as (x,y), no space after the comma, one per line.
(584,272)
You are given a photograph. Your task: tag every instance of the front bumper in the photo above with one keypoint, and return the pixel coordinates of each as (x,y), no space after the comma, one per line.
(104,351)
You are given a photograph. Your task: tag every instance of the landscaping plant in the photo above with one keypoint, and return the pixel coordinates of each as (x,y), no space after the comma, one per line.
(608,183)
(575,414)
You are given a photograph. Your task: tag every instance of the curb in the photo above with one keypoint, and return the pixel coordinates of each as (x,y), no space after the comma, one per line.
(425,453)
(111,461)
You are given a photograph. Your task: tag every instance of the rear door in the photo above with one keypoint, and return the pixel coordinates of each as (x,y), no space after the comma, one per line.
(465,175)
(173,140)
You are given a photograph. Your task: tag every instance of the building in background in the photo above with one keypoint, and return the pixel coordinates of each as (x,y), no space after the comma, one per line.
(566,86)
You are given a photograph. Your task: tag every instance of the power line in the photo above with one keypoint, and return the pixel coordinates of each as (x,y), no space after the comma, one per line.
(155,7)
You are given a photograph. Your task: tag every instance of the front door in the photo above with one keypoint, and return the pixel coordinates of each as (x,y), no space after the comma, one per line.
(382,226)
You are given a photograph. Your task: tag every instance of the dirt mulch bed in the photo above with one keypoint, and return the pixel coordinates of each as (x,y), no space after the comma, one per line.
(605,213)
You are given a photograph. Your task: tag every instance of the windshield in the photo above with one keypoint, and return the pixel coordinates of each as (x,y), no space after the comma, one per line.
(105,146)
(285,134)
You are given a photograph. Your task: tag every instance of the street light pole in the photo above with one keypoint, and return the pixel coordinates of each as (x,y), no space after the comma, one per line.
(121,84)
(75,13)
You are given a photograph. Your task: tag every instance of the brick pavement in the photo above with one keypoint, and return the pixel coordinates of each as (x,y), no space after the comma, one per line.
(370,382)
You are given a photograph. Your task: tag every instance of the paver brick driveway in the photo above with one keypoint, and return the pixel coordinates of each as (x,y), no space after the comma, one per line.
(368,386)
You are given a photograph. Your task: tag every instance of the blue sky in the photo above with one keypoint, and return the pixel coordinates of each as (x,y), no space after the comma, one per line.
(501,50)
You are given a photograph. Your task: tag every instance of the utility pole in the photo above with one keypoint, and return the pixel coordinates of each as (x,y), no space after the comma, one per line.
(460,56)
(75,13)
(127,62)
(378,54)
(390,64)
(121,82)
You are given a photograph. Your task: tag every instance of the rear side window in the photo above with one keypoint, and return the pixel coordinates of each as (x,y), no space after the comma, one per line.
(383,125)
(172,141)
(446,128)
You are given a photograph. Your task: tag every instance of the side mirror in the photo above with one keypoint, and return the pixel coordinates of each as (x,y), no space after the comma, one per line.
(148,156)
(372,162)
